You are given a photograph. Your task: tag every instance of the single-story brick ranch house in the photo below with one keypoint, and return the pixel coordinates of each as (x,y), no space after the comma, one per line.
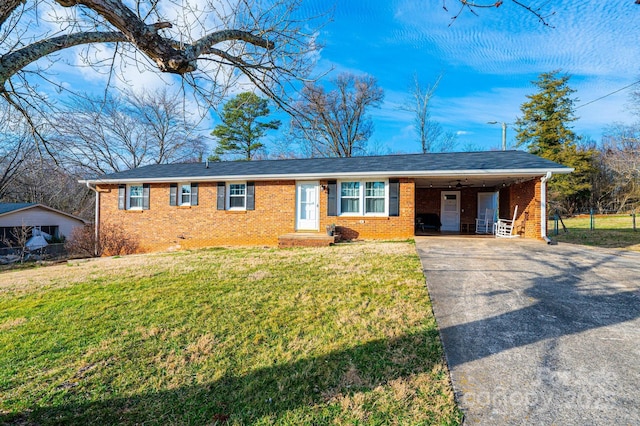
(173,206)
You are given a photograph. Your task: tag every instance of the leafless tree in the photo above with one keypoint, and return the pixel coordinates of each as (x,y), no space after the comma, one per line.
(430,134)
(120,133)
(43,181)
(335,123)
(16,146)
(210,45)
(620,156)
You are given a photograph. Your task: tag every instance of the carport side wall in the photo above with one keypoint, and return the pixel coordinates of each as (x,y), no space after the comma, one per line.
(526,196)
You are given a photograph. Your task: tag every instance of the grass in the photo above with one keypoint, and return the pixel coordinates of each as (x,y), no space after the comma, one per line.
(336,335)
(611,231)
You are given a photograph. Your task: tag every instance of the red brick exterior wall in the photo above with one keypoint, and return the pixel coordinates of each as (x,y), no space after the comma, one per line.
(526,196)
(165,227)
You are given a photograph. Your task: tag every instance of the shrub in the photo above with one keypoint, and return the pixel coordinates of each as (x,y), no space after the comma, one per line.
(113,241)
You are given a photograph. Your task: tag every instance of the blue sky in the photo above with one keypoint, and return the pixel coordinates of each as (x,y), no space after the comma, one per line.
(488,61)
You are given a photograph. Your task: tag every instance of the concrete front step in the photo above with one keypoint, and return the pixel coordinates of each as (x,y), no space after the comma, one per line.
(306,239)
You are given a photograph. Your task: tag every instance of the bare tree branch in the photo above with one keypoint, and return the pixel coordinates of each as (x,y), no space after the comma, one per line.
(213,46)
(471,6)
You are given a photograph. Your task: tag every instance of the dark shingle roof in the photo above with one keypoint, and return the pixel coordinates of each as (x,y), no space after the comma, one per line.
(10,207)
(411,164)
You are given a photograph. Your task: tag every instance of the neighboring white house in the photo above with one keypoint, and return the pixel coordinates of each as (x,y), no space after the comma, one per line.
(36,216)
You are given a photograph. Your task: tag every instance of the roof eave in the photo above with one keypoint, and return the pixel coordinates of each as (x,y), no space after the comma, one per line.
(337,175)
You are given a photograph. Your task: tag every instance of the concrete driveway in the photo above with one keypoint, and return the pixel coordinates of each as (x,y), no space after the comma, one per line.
(537,334)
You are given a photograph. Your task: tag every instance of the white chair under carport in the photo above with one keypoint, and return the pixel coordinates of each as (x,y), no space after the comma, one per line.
(484,223)
(504,227)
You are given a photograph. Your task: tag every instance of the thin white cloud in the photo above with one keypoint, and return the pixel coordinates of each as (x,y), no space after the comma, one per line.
(587,38)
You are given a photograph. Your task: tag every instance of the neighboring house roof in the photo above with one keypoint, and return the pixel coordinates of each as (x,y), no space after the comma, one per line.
(9,208)
(499,163)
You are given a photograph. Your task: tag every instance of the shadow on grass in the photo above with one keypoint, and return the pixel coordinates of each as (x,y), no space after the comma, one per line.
(270,393)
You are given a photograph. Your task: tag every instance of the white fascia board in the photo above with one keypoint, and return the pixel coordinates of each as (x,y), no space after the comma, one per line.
(316,176)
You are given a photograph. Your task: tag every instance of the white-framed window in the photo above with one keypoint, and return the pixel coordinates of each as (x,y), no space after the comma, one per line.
(374,197)
(350,197)
(135,195)
(185,194)
(363,197)
(237,198)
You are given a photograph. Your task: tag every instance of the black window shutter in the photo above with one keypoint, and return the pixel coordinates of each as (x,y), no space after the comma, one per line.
(332,198)
(145,196)
(194,194)
(122,190)
(394,197)
(173,194)
(221,195)
(251,197)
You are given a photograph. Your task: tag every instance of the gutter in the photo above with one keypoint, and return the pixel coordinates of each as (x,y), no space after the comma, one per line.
(96,224)
(543,208)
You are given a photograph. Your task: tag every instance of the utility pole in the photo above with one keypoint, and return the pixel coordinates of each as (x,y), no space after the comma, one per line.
(504,133)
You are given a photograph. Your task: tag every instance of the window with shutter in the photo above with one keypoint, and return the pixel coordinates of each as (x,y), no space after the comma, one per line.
(363,198)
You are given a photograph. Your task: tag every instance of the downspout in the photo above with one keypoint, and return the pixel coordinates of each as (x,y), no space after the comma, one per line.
(543,208)
(96,225)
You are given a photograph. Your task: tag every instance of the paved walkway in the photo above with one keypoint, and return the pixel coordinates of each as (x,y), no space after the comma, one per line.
(537,334)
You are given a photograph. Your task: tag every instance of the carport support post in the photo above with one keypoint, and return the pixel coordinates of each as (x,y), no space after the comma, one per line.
(543,207)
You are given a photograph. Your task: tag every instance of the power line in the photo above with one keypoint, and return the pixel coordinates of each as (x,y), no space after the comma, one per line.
(608,94)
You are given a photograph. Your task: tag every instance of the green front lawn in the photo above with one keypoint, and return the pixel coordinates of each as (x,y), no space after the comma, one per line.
(610,231)
(341,335)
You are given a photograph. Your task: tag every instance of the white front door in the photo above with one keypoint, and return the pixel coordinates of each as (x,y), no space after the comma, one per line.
(450,211)
(308,206)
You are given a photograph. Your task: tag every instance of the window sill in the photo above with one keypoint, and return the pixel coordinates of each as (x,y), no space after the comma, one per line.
(134,211)
(235,211)
(183,207)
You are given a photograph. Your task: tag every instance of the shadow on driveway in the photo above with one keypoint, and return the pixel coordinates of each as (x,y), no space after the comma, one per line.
(537,334)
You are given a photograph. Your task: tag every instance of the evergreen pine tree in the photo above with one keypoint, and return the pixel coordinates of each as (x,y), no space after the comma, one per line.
(545,130)
(240,131)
